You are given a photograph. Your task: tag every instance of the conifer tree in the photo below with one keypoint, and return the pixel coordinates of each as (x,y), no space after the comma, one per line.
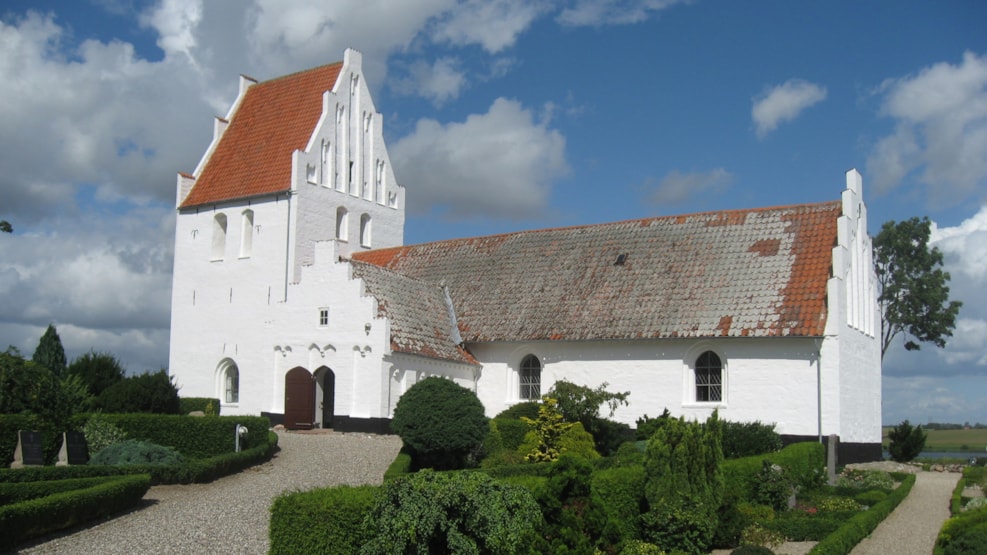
(50,352)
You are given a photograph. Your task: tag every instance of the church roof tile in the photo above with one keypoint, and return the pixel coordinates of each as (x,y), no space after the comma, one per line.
(738,273)
(253,156)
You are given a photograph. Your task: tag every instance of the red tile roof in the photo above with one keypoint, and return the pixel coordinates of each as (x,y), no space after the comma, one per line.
(740,273)
(274,119)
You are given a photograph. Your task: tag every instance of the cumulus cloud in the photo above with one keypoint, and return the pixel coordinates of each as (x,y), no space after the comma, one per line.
(597,13)
(500,164)
(678,187)
(940,131)
(783,103)
(928,399)
(492,24)
(438,82)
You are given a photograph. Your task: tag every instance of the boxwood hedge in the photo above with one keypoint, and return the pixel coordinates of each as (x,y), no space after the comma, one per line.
(193,436)
(34,517)
(856,528)
(327,520)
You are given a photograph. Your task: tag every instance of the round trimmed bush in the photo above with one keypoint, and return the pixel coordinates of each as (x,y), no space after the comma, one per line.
(132,451)
(441,423)
(527,409)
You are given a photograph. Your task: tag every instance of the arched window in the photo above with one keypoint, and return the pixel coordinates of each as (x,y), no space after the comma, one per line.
(709,378)
(230,382)
(219,236)
(342,218)
(246,233)
(529,379)
(365,230)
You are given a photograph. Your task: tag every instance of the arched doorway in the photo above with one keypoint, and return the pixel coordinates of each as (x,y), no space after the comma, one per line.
(299,399)
(325,394)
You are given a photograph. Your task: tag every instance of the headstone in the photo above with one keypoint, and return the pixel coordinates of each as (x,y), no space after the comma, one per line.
(30,450)
(831,448)
(74,449)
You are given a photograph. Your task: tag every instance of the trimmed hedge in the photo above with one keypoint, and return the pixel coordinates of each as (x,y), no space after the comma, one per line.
(191,404)
(804,464)
(856,528)
(399,467)
(191,471)
(16,492)
(957,526)
(32,518)
(328,520)
(194,437)
(512,432)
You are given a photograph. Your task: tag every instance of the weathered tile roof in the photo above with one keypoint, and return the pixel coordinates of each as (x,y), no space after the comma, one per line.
(274,119)
(421,320)
(741,273)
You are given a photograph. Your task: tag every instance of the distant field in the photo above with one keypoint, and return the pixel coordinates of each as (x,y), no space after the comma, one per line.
(972,441)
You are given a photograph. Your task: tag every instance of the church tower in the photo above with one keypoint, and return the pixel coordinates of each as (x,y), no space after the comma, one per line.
(296,170)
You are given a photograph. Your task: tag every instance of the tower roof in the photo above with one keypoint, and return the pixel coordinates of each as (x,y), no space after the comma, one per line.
(253,156)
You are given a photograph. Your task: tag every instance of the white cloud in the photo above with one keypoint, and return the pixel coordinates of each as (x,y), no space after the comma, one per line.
(677,187)
(784,103)
(597,13)
(501,164)
(932,399)
(940,131)
(493,24)
(439,82)
(176,22)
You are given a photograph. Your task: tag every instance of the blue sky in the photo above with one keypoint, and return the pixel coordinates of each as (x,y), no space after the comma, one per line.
(613,109)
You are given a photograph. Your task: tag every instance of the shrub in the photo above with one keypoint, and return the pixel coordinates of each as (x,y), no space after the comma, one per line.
(527,409)
(576,520)
(746,439)
(100,434)
(771,486)
(865,479)
(462,512)
(574,441)
(683,485)
(906,442)
(621,489)
(637,547)
(582,404)
(975,504)
(512,432)
(152,392)
(328,520)
(970,541)
(440,422)
(51,436)
(609,436)
(208,405)
(543,443)
(757,535)
(132,451)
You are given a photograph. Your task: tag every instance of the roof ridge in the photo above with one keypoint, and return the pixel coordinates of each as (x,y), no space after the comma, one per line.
(296,73)
(779,208)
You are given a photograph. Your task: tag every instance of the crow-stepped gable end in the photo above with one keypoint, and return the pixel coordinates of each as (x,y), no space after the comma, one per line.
(295,297)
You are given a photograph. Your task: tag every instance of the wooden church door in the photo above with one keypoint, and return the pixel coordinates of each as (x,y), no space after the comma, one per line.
(299,399)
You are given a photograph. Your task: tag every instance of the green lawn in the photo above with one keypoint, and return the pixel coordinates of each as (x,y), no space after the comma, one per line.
(969,441)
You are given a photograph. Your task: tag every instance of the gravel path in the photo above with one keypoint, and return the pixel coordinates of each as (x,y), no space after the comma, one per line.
(232,514)
(913,526)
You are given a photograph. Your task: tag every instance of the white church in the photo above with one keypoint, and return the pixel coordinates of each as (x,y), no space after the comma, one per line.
(295,297)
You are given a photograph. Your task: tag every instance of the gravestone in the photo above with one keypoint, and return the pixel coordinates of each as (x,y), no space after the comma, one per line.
(74,449)
(30,450)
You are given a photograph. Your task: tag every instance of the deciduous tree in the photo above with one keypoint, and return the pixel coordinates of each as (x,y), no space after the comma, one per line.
(914,291)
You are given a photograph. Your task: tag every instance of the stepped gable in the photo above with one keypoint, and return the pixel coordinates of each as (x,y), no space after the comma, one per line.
(739,273)
(420,318)
(274,119)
